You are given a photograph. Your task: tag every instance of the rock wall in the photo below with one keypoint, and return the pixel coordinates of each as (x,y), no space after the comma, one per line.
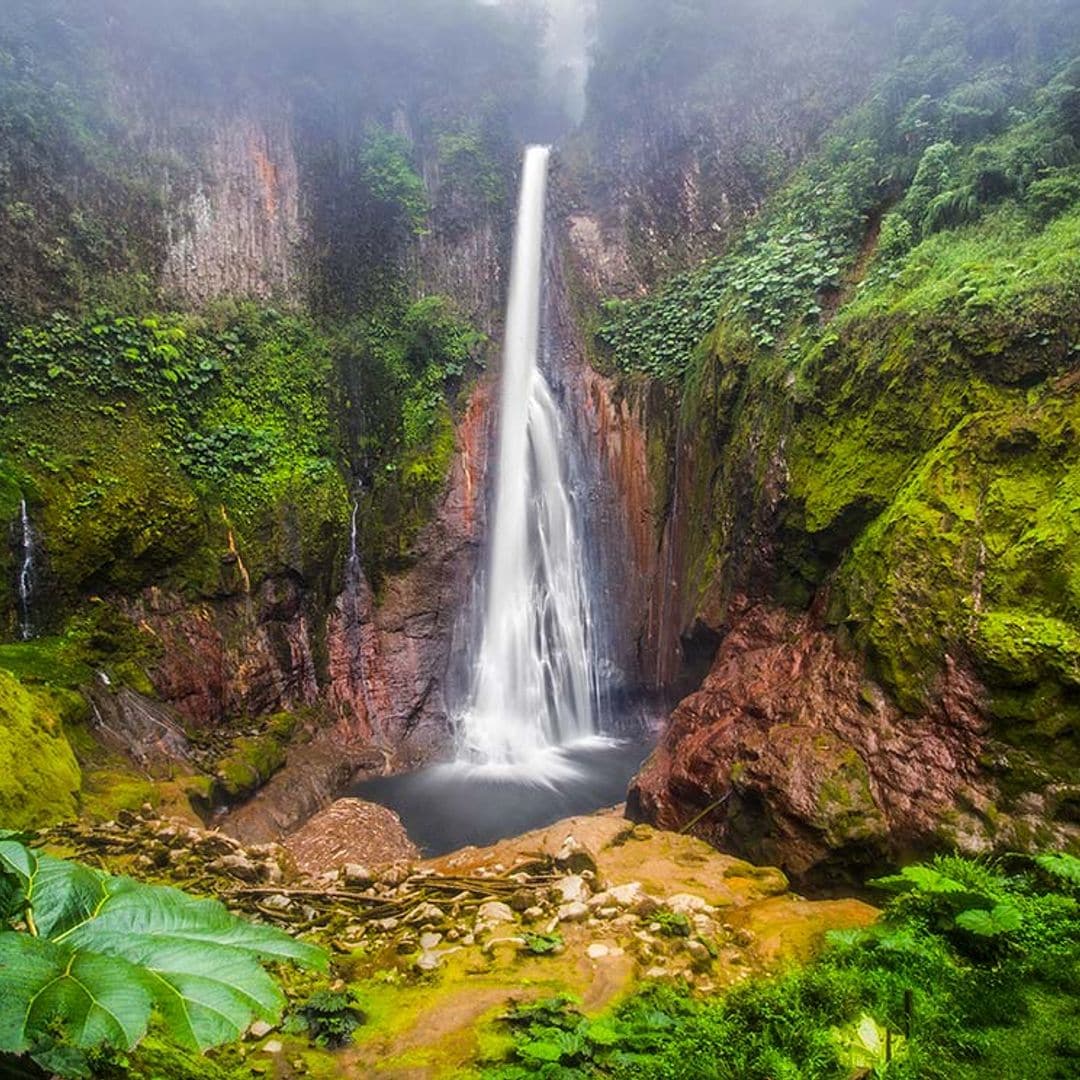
(239,232)
(791,750)
(375,667)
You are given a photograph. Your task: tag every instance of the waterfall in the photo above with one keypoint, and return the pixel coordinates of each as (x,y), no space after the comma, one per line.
(26,573)
(533,682)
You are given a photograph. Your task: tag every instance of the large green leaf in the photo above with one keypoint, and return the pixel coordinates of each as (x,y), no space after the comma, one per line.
(108,950)
(1002,919)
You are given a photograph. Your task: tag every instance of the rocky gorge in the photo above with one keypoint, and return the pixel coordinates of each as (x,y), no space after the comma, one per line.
(806,329)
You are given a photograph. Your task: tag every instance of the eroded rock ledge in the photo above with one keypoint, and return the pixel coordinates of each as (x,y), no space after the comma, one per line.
(790,754)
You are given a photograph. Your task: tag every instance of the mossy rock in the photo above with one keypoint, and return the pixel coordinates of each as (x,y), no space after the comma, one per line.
(39,776)
(976,556)
(252,761)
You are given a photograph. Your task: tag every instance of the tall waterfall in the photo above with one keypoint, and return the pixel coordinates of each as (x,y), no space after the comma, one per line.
(534,680)
(26,573)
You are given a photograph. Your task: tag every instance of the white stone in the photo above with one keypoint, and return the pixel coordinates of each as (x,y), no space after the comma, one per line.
(429,941)
(627,895)
(495,911)
(260,1029)
(358,876)
(573,888)
(274,1046)
(428,961)
(688,904)
(597,951)
(572,913)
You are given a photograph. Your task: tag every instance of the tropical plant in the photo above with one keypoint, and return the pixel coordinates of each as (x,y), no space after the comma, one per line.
(87,958)
(329,1018)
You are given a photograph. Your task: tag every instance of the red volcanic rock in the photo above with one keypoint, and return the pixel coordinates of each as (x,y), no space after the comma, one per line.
(789,754)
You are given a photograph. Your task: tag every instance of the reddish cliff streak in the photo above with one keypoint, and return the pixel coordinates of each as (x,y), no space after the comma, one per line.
(239,233)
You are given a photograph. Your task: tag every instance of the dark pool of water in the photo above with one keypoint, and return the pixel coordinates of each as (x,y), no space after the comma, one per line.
(450,806)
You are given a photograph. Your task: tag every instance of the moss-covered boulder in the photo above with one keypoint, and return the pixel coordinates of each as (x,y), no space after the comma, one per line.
(39,776)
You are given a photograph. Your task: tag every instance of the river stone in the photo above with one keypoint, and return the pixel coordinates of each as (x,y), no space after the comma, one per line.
(274,1046)
(428,961)
(429,941)
(358,876)
(628,895)
(238,866)
(688,904)
(575,857)
(597,951)
(573,888)
(574,912)
(495,911)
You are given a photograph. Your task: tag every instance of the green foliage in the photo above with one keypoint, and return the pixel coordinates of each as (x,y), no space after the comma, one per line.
(85,958)
(111,356)
(982,136)
(542,944)
(991,994)
(403,366)
(392,184)
(672,924)
(329,1017)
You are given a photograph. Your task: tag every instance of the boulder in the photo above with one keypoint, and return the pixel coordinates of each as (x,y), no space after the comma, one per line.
(353,833)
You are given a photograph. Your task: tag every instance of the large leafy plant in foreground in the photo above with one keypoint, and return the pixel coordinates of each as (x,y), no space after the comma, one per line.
(85,958)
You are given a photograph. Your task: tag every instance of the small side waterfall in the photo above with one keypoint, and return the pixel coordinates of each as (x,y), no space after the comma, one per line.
(26,579)
(534,676)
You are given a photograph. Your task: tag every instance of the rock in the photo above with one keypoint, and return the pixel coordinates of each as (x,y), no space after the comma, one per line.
(522,900)
(688,904)
(215,844)
(534,914)
(274,1046)
(572,888)
(429,941)
(699,953)
(626,896)
(427,961)
(494,912)
(259,1030)
(785,731)
(573,856)
(238,866)
(597,951)
(352,832)
(430,913)
(278,902)
(358,876)
(387,924)
(573,913)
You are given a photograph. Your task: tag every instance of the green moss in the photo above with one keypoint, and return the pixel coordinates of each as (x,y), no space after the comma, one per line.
(252,760)
(39,776)
(975,555)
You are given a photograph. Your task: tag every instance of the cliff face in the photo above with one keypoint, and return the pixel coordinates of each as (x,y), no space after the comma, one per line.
(862,489)
(239,232)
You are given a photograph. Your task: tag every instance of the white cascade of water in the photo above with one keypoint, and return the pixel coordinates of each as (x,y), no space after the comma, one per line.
(26,573)
(534,682)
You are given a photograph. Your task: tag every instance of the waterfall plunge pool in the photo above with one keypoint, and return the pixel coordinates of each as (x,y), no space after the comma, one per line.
(452,806)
